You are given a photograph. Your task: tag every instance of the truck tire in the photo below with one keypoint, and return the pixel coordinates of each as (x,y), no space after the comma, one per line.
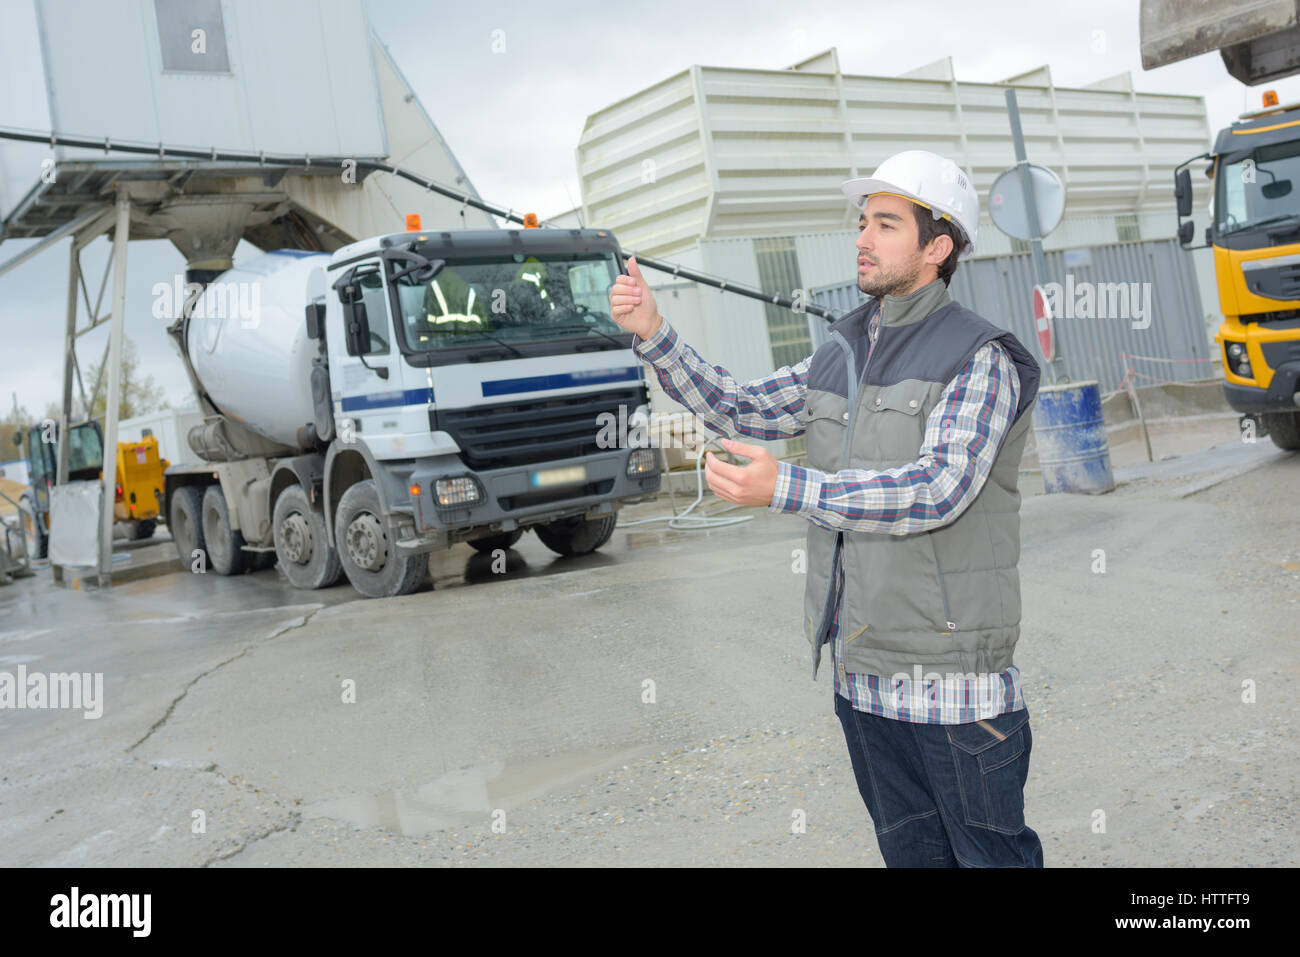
(225,545)
(38,543)
(504,540)
(185,522)
(301,546)
(576,535)
(1283,429)
(140,530)
(368,558)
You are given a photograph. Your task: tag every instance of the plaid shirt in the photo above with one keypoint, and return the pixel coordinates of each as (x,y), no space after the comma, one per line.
(962,437)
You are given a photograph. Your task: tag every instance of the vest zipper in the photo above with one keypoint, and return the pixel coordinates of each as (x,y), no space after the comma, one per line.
(852,390)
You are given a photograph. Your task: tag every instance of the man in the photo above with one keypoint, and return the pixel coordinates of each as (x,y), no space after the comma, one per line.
(916,413)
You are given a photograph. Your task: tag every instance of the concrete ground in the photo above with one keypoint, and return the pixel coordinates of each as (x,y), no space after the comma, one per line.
(520,699)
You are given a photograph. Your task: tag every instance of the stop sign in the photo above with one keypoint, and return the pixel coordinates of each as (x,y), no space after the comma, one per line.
(1043,324)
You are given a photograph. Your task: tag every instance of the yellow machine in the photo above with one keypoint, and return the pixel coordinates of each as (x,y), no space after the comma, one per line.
(139,480)
(1255,233)
(139,485)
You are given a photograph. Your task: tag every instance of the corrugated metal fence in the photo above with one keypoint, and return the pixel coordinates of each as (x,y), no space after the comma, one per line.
(1098,318)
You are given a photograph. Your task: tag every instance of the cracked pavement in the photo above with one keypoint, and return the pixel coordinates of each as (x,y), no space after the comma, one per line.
(503,719)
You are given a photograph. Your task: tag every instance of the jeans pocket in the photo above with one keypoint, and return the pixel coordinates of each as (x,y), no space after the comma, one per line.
(992,763)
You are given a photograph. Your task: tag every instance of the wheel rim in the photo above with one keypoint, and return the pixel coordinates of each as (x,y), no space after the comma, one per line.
(295,536)
(366,546)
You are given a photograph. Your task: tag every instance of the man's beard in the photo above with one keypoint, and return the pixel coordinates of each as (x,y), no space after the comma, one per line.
(890,282)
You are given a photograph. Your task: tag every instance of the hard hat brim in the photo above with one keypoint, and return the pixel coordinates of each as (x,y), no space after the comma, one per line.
(857,190)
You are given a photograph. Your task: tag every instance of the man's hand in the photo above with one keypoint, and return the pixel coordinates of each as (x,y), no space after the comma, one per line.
(632,304)
(752,484)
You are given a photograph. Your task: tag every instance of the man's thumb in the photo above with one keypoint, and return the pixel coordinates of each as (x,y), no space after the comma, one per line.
(633,269)
(740,448)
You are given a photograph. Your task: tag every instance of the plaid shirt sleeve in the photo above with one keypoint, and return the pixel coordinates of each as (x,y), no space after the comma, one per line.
(962,436)
(766,408)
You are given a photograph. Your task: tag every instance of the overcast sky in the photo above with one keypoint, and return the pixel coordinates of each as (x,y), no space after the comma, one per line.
(513,119)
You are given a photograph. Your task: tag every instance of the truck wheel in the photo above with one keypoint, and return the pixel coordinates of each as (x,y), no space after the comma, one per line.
(141,529)
(368,557)
(38,543)
(184,521)
(504,540)
(577,536)
(225,545)
(1283,429)
(301,545)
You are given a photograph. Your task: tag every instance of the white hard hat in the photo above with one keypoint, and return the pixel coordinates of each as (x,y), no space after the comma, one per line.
(928,179)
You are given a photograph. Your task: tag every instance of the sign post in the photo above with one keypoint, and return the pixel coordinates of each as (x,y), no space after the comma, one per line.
(1027,202)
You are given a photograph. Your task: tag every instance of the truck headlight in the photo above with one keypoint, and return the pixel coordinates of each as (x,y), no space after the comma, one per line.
(461,490)
(641,463)
(1238,359)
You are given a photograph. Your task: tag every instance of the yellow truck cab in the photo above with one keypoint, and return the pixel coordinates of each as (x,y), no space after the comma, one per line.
(1255,234)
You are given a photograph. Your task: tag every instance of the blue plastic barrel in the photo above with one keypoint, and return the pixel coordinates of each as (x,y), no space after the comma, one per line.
(1071,435)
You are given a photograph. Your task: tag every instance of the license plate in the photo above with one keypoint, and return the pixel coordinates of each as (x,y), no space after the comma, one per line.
(571,475)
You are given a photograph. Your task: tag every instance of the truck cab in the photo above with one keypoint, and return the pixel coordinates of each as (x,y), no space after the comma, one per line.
(1255,234)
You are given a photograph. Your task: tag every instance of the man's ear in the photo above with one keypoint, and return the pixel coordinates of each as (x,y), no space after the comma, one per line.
(940,248)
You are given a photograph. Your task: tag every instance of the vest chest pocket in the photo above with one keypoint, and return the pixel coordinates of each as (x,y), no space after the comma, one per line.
(827,419)
(896,426)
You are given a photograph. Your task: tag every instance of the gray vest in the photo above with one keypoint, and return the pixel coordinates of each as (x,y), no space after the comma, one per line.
(947,600)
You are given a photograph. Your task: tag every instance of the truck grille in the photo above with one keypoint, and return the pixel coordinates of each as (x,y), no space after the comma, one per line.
(523,433)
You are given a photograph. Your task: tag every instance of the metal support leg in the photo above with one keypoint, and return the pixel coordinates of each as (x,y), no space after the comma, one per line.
(120,234)
(69,361)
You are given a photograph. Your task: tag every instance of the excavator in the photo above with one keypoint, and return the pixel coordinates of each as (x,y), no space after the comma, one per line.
(139,479)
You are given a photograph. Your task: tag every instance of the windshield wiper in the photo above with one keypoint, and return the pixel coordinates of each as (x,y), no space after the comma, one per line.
(1270,221)
(589,329)
(501,342)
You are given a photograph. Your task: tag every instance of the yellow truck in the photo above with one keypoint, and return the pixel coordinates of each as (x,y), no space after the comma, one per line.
(1255,222)
(139,480)
(1255,233)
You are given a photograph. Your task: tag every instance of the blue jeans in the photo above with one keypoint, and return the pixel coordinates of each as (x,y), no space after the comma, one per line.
(944,795)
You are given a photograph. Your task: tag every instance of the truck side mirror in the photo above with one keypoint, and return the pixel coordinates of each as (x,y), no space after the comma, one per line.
(18,439)
(356,328)
(1185,230)
(1183,192)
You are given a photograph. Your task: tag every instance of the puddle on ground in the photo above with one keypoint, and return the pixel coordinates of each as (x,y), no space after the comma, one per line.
(470,795)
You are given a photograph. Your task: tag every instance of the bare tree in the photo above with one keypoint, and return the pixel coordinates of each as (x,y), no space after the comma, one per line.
(139,394)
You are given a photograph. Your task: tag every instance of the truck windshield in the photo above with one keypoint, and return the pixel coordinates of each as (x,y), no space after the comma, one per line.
(489,301)
(1259,188)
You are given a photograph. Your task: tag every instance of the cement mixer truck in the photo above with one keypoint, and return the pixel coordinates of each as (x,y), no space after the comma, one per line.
(366,407)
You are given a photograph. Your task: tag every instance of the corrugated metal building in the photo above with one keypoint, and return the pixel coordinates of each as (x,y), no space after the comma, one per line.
(736,173)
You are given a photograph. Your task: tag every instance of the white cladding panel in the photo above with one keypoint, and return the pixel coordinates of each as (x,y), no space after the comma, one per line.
(294,76)
(740,152)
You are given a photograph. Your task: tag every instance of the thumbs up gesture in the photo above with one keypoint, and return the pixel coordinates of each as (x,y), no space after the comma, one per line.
(632,304)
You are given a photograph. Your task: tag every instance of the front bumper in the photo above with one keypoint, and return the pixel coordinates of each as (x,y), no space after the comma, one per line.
(510,499)
(1280,396)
